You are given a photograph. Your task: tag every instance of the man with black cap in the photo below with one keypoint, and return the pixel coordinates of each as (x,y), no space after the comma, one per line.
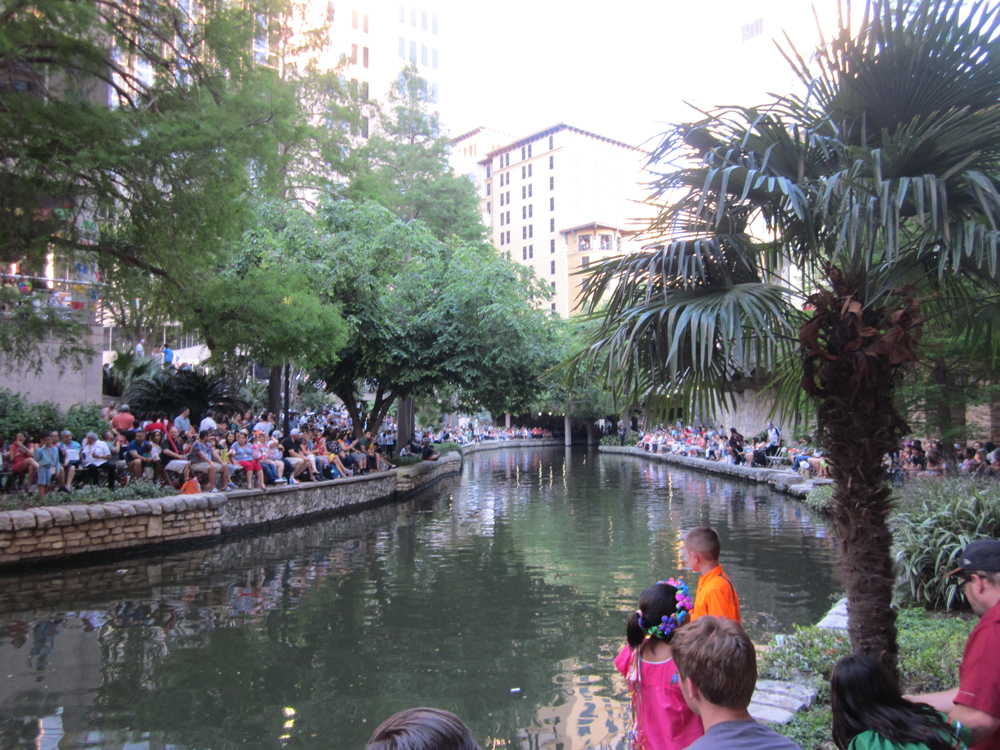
(976,700)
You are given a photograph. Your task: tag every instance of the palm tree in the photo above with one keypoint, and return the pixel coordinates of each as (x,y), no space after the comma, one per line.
(807,241)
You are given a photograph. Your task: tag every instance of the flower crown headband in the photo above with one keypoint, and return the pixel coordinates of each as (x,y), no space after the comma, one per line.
(670,623)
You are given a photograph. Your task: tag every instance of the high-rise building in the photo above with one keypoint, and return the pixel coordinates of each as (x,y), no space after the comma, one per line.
(559,200)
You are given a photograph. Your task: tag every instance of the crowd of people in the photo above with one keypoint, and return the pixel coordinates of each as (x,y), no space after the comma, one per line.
(691,672)
(214,453)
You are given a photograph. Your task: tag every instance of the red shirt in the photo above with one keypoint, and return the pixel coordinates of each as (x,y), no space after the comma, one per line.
(979,675)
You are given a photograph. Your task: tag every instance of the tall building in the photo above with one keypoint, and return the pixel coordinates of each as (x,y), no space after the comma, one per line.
(561,199)
(379,39)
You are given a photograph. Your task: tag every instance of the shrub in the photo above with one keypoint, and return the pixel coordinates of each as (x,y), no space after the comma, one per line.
(447,447)
(811,729)
(19,414)
(930,649)
(820,498)
(405,460)
(137,490)
(611,440)
(933,522)
(808,651)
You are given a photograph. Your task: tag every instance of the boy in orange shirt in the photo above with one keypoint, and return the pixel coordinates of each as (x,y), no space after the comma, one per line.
(716,594)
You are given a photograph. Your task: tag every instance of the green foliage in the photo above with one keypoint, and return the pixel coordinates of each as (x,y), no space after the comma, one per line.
(126,368)
(171,390)
(811,729)
(39,418)
(808,651)
(254,393)
(312,398)
(406,460)
(930,649)
(820,498)
(137,489)
(447,447)
(614,440)
(933,523)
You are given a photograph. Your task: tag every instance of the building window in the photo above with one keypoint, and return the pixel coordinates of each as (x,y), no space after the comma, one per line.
(552,183)
(529,170)
(552,204)
(366,23)
(524,192)
(605,242)
(489,170)
(552,268)
(413,51)
(508,236)
(489,188)
(552,226)
(364,56)
(354,54)
(354,19)
(524,253)
(524,172)
(402,48)
(584,261)
(364,85)
(553,286)
(522,153)
(413,17)
(584,244)
(524,233)
(529,150)
(364,123)
(531,230)
(529,191)
(434,24)
(434,59)
(423,20)
(553,307)
(434,92)
(502,221)
(550,144)
(552,162)
(423,54)
(552,246)
(531,212)
(750,30)
(402,13)
(501,239)
(489,207)
(524,212)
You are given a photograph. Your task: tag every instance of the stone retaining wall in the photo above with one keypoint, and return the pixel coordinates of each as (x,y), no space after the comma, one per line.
(783,480)
(492,445)
(58,532)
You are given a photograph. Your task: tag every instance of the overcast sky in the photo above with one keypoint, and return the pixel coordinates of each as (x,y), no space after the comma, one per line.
(620,69)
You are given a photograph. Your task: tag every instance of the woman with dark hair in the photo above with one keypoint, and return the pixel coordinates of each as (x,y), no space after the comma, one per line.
(423,729)
(869,713)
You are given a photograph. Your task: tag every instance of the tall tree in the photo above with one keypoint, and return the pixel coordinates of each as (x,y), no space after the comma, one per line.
(404,165)
(810,237)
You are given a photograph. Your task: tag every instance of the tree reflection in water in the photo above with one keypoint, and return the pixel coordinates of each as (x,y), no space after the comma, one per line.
(518,575)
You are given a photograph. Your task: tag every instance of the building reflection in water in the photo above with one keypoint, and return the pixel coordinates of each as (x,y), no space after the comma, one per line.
(518,575)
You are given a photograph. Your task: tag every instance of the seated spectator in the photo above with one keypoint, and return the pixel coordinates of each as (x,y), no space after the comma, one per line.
(69,459)
(97,458)
(208,423)
(970,462)
(140,455)
(243,455)
(21,454)
(428,453)
(172,455)
(296,455)
(869,712)
(422,729)
(273,470)
(717,667)
(206,460)
(124,421)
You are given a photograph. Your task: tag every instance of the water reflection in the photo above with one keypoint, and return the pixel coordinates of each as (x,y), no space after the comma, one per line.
(515,576)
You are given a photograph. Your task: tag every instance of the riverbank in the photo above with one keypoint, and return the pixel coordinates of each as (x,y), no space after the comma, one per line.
(59,533)
(492,445)
(782,480)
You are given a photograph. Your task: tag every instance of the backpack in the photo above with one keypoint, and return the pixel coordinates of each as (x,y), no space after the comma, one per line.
(191,487)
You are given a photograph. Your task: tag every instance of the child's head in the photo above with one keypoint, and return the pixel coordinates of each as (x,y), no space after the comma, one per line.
(716,662)
(423,729)
(702,546)
(663,608)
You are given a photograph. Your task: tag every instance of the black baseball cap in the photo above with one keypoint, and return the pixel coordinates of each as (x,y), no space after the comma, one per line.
(982,554)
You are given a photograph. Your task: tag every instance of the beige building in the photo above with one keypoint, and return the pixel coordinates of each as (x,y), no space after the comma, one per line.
(559,200)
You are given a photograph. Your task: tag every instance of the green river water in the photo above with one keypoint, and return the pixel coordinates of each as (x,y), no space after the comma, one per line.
(516,576)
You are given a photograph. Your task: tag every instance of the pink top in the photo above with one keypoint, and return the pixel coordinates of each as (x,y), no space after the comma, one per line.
(664,721)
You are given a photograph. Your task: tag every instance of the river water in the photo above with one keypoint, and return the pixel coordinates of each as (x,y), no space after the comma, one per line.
(500,595)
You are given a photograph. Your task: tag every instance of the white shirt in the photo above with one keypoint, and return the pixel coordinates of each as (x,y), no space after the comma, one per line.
(208,424)
(95,455)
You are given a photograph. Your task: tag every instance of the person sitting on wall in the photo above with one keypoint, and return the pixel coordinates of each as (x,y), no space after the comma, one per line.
(97,458)
(428,453)
(139,455)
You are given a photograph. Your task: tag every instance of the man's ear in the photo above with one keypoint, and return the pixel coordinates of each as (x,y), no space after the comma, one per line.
(690,692)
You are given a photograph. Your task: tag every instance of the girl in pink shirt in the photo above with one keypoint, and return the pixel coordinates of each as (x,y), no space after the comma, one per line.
(661,718)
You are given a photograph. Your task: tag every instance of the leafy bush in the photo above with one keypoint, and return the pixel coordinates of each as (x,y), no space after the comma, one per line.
(447,447)
(254,393)
(19,414)
(811,729)
(614,440)
(808,651)
(126,368)
(820,498)
(930,649)
(139,489)
(932,524)
(171,390)
(405,460)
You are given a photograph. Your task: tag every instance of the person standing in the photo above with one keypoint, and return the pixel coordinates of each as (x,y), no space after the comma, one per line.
(183,421)
(140,348)
(716,594)
(168,355)
(976,701)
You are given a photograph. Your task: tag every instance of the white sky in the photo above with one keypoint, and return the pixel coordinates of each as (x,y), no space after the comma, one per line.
(618,69)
